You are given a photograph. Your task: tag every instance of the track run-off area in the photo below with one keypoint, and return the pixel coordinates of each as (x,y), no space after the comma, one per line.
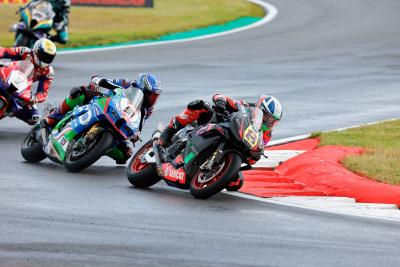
(332,63)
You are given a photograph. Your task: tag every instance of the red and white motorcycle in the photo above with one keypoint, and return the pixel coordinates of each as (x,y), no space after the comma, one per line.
(15,88)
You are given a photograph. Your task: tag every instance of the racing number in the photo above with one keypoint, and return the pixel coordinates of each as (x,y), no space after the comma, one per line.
(251,136)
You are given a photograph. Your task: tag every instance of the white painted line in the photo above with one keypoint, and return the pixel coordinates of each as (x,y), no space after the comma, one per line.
(369,210)
(271,12)
(276,157)
(288,140)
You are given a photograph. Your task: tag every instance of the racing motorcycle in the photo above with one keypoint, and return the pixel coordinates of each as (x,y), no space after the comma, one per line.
(88,132)
(204,159)
(35,23)
(15,88)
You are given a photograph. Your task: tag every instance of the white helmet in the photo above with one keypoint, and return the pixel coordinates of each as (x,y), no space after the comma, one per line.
(272,110)
(44,52)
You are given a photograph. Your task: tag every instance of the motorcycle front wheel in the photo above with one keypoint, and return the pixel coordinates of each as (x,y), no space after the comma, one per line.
(142,174)
(32,148)
(206,184)
(78,158)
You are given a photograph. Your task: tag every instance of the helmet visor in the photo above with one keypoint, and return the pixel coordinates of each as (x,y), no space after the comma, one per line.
(269,121)
(45,57)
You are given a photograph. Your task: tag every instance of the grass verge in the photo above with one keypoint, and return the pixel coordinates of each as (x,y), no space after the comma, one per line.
(382,143)
(102,25)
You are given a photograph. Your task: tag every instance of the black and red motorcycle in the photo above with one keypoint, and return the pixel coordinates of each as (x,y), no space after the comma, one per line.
(205,159)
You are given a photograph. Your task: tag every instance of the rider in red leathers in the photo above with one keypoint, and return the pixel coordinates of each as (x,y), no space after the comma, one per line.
(202,112)
(41,56)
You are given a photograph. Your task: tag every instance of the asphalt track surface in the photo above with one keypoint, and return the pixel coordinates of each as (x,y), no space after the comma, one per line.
(332,64)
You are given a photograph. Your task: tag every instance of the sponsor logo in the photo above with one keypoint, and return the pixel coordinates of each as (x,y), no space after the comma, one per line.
(63,141)
(85,118)
(174,175)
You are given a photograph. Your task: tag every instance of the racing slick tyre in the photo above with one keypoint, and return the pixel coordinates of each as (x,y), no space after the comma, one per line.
(32,148)
(140,174)
(205,185)
(77,159)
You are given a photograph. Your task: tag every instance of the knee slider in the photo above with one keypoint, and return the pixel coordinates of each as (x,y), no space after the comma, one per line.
(75,92)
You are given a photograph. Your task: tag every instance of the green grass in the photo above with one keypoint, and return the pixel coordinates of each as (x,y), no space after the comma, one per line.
(382,143)
(99,25)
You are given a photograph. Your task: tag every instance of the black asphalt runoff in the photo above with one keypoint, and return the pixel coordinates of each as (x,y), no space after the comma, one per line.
(332,63)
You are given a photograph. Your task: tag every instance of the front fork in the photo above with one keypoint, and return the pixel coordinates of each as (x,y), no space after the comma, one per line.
(215,157)
(157,154)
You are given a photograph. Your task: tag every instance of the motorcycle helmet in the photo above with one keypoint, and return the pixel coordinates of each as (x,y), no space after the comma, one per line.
(272,110)
(150,85)
(44,52)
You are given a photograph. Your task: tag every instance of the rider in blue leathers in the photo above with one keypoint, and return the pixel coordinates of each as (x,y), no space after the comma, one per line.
(82,95)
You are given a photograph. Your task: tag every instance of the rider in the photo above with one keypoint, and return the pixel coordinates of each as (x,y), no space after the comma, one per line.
(41,56)
(82,95)
(202,112)
(60,21)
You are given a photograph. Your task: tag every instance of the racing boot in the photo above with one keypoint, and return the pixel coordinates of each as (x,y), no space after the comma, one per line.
(169,131)
(53,118)
(125,152)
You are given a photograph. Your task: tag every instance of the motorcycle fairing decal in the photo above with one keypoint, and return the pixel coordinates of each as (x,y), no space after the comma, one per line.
(251,136)
(111,119)
(62,122)
(84,117)
(55,149)
(189,157)
(210,127)
(172,174)
(45,24)
(57,135)
(26,17)
(178,161)
(102,103)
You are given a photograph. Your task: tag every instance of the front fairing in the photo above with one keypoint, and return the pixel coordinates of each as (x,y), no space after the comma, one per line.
(245,127)
(123,111)
(25,17)
(38,16)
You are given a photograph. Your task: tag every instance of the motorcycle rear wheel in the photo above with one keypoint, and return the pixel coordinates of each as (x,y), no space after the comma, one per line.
(142,175)
(205,188)
(102,142)
(32,149)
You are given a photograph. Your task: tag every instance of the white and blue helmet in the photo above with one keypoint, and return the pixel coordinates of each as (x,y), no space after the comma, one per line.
(149,82)
(272,110)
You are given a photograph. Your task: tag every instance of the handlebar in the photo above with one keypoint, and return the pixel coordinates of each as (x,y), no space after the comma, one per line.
(221,116)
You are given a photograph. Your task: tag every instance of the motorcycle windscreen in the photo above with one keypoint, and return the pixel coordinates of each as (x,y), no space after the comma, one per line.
(257,117)
(42,10)
(132,103)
